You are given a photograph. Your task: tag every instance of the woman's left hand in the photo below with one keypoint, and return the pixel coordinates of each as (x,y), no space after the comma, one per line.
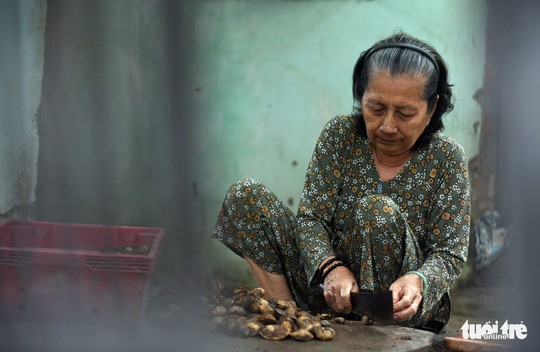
(407,295)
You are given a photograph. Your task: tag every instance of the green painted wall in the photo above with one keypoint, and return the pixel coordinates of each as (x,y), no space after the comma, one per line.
(272,73)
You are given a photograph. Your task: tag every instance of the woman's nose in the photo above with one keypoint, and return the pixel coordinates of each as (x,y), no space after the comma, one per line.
(388,129)
(388,125)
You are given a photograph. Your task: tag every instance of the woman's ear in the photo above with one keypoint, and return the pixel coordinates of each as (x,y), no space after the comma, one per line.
(434,107)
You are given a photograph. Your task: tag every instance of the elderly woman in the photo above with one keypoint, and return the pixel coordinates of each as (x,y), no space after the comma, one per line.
(385,204)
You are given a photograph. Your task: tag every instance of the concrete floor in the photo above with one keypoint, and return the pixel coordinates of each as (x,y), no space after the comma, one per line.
(350,337)
(34,336)
(478,304)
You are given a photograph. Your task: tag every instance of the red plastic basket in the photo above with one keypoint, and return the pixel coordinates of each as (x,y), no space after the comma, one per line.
(74,273)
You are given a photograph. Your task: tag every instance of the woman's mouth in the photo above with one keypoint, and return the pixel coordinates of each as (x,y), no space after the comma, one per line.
(386,141)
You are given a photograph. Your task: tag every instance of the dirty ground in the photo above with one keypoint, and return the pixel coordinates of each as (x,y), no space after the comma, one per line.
(477,304)
(476,301)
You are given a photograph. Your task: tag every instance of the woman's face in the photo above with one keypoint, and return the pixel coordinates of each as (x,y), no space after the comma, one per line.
(395,112)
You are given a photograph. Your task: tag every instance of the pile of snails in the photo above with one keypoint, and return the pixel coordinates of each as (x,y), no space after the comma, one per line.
(247,312)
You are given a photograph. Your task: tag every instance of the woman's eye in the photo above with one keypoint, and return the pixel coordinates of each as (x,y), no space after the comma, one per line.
(405,116)
(376,110)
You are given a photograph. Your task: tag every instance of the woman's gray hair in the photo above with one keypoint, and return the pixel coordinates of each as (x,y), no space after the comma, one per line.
(402,54)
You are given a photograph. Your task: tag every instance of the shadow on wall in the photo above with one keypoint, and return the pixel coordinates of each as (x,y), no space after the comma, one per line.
(114,121)
(513,82)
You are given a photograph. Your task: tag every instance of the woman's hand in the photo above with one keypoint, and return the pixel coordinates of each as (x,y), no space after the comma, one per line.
(407,295)
(338,286)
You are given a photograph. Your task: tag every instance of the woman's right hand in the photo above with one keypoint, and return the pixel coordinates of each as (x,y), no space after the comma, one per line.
(338,285)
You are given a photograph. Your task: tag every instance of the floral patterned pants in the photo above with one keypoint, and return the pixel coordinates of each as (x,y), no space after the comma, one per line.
(254,223)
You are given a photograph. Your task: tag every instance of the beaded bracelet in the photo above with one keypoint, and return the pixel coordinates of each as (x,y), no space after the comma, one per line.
(424,280)
(325,274)
(325,265)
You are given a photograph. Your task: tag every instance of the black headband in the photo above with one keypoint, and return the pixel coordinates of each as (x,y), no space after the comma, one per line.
(407,46)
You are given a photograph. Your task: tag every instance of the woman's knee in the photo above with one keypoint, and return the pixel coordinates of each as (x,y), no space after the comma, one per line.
(245,188)
(377,208)
(380,217)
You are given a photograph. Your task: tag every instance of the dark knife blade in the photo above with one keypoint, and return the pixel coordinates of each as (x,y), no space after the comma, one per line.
(376,305)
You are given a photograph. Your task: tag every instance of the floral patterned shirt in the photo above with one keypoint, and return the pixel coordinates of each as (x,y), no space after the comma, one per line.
(432,192)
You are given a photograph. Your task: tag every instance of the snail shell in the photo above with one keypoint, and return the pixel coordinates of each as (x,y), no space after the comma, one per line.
(274,332)
(301,335)
(324,333)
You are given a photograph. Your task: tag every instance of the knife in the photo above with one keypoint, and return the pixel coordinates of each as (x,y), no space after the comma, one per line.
(378,306)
